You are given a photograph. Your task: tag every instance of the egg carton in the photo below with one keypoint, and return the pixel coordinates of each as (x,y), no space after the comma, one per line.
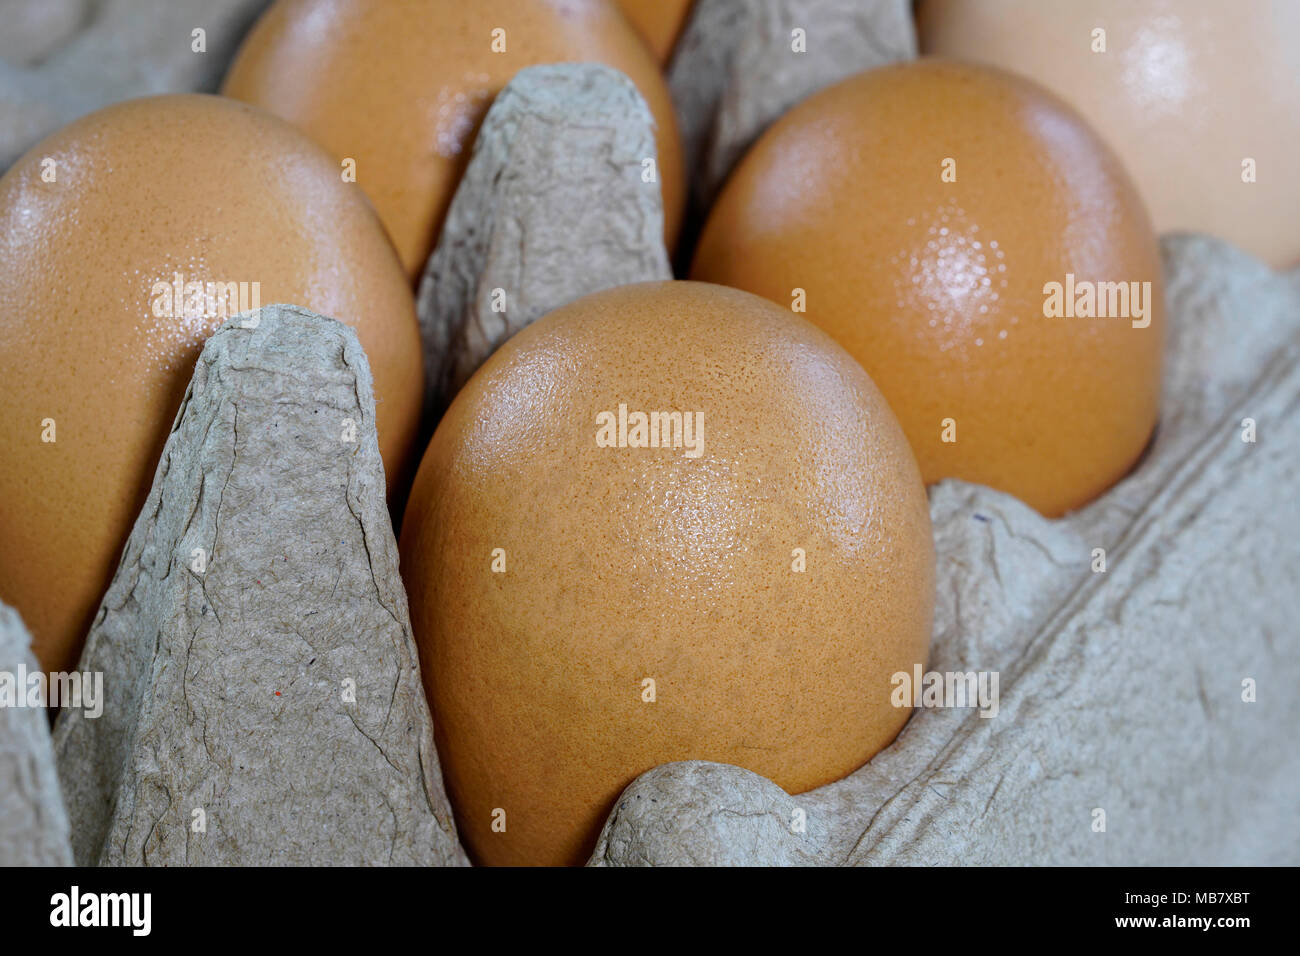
(62,59)
(1145,648)
(1143,711)
(1131,729)
(1133,639)
(257,726)
(33,824)
(263,702)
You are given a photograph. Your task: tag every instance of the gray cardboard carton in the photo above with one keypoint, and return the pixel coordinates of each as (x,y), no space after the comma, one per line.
(263,702)
(553,205)
(33,826)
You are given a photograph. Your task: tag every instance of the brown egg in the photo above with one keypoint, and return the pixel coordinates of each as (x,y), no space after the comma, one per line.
(940,288)
(659,22)
(96,223)
(555,566)
(1199,98)
(400,86)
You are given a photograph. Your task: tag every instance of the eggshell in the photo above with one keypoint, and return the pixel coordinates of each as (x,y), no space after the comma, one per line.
(627,564)
(939,288)
(400,86)
(659,22)
(206,187)
(1185,92)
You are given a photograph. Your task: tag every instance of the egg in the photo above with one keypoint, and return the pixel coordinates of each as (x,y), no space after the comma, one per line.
(667,521)
(659,22)
(114,235)
(1197,97)
(399,88)
(949,226)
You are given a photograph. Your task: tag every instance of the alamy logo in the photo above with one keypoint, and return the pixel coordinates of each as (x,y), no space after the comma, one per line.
(651,430)
(76,691)
(935,689)
(1101,300)
(179,299)
(133,910)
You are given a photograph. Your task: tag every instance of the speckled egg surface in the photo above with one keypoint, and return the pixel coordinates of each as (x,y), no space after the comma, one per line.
(920,213)
(97,224)
(1198,97)
(768,584)
(400,86)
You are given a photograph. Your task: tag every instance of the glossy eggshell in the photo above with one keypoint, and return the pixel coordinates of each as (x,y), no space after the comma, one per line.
(400,86)
(628,564)
(219,192)
(937,288)
(659,22)
(1185,91)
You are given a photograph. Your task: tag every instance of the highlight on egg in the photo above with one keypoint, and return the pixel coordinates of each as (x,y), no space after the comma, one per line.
(950,226)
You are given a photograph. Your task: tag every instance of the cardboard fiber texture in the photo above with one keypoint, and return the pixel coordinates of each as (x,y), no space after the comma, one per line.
(33,826)
(62,59)
(740,65)
(263,702)
(554,205)
(1146,712)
